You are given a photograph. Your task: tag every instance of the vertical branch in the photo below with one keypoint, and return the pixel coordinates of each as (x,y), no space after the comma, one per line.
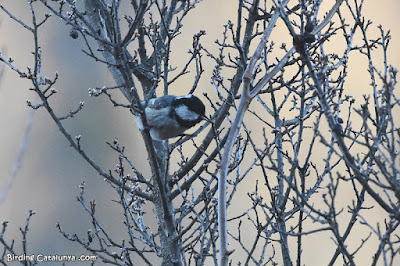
(233,132)
(117,54)
(246,97)
(20,155)
(280,202)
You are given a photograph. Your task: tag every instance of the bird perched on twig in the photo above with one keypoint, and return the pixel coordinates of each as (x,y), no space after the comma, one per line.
(170,116)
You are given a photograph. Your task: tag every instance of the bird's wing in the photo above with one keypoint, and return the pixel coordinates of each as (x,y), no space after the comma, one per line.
(160,102)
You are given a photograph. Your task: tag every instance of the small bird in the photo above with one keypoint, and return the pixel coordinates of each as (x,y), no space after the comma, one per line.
(169,116)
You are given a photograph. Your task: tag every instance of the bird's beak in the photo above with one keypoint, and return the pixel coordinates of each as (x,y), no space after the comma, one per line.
(206,118)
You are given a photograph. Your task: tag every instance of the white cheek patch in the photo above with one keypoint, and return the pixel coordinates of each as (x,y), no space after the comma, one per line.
(185,97)
(185,114)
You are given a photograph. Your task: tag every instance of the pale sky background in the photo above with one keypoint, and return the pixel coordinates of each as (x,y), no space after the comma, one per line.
(51,171)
